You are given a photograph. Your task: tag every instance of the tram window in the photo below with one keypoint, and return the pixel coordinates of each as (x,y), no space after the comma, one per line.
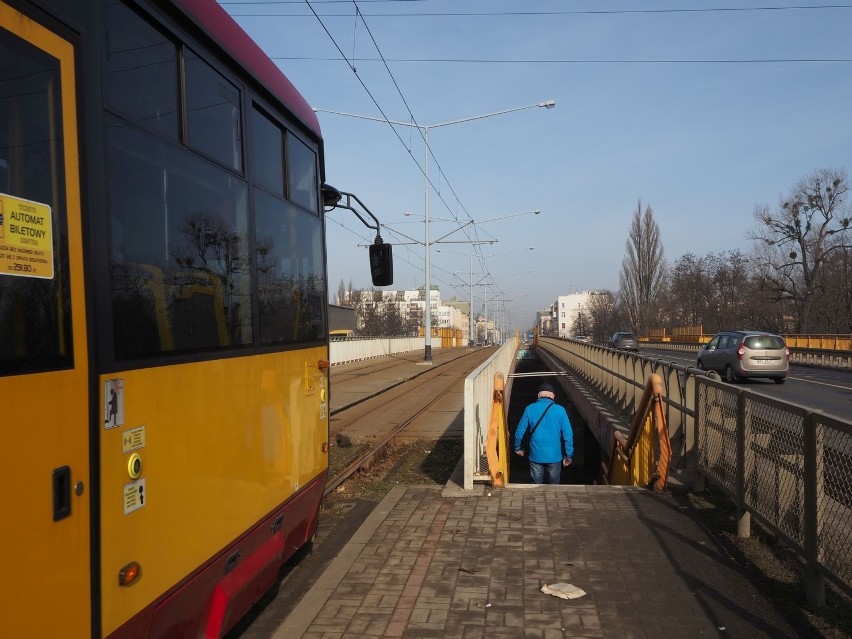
(35,313)
(289,271)
(267,154)
(301,173)
(213,119)
(142,79)
(180,249)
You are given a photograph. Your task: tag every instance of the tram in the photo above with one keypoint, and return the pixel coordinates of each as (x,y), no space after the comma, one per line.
(163,319)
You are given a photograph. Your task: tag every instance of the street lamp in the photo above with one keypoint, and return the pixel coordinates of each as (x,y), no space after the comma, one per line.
(547,104)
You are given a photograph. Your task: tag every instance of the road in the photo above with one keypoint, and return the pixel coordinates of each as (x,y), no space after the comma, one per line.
(827,389)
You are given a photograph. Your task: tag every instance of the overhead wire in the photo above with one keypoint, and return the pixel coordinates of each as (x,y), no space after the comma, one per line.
(566,12)
(411,115)
(471,235)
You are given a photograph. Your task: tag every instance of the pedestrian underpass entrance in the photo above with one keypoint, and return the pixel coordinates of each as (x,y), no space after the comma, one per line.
(522,389)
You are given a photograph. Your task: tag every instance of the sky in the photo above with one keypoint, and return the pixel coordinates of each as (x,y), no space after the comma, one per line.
(701,110)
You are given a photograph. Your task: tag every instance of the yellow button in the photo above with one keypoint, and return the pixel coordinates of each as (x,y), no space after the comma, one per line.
(134,466)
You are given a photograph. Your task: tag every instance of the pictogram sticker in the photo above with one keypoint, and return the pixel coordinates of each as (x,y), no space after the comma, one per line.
(113,403)
(134,496)
(133,439)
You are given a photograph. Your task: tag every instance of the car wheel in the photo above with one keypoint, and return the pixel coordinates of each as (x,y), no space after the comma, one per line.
(779,380)
(700,365)
(730,377)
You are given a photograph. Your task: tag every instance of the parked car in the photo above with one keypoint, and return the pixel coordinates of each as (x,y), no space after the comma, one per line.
(746,354)
(624,341)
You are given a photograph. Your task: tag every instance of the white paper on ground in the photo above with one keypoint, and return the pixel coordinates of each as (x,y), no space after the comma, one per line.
(563,590)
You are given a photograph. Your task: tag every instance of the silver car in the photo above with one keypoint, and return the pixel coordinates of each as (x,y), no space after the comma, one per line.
(745,354)
(624,341)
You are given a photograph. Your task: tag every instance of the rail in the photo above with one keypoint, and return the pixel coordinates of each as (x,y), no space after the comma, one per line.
(634,460)
(788,466)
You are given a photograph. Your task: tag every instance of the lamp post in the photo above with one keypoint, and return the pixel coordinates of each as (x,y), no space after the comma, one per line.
(470,273)
(484,281)
(470,282)
(547,104)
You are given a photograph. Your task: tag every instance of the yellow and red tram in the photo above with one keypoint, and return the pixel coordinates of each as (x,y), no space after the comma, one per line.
(163,319)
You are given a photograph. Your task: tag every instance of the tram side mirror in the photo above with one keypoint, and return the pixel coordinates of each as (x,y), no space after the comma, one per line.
(330,195)
(381,264)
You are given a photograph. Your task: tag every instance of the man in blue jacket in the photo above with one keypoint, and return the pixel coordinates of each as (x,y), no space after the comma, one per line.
(551,445)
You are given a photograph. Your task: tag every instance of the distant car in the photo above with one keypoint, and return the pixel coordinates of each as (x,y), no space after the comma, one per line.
(582,338)
(746,354)
(624,341)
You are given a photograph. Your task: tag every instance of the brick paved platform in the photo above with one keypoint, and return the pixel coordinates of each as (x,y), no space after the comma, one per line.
(427,565)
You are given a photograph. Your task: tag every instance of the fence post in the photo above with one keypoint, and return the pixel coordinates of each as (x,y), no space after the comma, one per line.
(743,515)
(814,444)
(693,444)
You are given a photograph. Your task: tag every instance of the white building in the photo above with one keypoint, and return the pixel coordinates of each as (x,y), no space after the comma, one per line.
(411,304)
(567,308)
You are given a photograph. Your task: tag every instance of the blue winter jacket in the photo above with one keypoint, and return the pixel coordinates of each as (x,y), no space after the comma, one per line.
(553,439)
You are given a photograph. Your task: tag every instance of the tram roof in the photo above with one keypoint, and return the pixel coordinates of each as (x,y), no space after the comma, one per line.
(222,28)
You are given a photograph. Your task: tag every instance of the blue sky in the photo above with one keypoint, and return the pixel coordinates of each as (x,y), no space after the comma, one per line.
(702,110)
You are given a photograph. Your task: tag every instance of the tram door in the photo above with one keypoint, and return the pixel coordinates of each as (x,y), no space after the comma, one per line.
(44,421)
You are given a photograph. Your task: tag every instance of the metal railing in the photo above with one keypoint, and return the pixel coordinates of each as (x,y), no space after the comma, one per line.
(787,465)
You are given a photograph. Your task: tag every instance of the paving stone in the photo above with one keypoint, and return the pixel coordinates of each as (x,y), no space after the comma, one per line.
(431,565)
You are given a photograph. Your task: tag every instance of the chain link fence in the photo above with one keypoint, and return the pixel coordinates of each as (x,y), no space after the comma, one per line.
(789,466)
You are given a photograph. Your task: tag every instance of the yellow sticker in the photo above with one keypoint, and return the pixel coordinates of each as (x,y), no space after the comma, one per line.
(133,439)
(26,238)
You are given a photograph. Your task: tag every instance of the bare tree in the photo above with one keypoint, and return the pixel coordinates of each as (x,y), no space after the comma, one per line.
(836,306)
(807,228)
(341,294)
(643,270)
(604,316)
(730,299)
(688,298)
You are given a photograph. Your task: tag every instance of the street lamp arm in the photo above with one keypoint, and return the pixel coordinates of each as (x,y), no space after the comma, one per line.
(493,219)
(367,117)
(407,237)
(547,104)
(464,242)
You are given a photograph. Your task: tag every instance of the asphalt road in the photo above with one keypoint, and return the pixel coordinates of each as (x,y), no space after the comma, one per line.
(826,389)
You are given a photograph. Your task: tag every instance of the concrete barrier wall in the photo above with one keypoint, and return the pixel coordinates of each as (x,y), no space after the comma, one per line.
(353,350)
(478,398)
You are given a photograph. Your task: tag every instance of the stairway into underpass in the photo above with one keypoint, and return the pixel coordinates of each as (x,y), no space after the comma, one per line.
(524,390)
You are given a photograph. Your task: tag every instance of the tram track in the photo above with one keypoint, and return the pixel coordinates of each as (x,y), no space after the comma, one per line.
(367,366)
(429,372)
(385,416)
